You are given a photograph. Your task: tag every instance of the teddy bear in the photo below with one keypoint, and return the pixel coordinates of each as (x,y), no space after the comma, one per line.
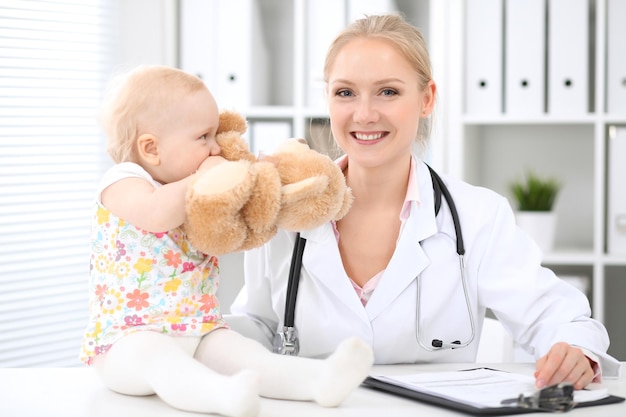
(240,204)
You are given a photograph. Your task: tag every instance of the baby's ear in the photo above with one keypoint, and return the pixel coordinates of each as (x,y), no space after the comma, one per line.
(148,149)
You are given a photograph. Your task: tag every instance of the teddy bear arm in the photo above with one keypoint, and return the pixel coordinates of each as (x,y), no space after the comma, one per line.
(314,188)
(307,204)
(213,231)
(214,224)
(256,239)
(261,210)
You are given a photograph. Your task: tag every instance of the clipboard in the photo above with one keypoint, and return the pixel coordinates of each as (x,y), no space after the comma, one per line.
(388,386)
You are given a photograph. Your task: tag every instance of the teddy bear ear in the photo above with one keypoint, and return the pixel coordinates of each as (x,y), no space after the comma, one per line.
(231,121)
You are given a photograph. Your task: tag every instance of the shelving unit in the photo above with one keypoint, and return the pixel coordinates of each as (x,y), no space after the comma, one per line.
(494,150)
(489,151)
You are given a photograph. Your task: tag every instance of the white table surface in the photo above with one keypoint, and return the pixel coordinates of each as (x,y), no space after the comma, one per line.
(77,392)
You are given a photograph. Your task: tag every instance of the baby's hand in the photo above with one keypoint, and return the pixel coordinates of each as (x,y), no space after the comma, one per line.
(210,162)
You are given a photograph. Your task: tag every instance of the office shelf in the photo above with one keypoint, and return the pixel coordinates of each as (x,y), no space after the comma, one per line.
(494,150)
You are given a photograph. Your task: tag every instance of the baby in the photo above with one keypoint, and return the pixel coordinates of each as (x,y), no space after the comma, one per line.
(155,325)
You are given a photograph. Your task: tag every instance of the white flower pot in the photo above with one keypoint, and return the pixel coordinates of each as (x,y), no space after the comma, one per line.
(540,225)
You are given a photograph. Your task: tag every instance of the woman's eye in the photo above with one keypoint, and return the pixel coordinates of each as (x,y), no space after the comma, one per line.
(389,92)
(343,93)
(203,137)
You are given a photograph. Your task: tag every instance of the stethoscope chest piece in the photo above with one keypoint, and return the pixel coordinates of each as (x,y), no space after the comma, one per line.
(286,342)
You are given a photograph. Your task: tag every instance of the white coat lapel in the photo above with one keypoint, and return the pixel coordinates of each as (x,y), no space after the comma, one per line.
(322,261)
(408,259)
(407,262)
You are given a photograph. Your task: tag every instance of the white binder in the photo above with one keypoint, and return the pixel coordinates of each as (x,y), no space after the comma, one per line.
(240,56)
(222,42)
(198,39)
(616,195)
(325,19)
(525,34)
(483,59)
(568,57)
(616,57)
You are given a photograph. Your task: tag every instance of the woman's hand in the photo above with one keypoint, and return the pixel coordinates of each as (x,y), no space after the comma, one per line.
(564,363)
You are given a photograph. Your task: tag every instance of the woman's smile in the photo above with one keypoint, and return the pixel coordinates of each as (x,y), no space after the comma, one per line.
(369,136)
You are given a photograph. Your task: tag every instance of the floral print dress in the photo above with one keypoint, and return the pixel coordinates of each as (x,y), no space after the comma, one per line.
(145,281)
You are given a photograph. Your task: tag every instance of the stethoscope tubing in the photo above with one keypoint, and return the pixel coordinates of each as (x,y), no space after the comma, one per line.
(441,189)
(292,285)
(440,345)
(289,332)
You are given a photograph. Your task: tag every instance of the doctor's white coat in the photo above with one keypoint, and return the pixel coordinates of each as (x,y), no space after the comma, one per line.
(503,272)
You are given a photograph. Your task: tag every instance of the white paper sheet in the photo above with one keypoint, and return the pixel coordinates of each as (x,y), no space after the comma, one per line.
(482,387)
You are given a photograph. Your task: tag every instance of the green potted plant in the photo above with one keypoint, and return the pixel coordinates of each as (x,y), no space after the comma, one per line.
(534,193)
(535,197)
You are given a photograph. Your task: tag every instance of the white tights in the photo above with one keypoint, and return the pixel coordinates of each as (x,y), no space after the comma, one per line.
(225,372)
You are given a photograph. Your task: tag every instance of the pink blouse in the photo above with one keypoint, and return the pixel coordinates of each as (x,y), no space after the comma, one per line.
(412,194)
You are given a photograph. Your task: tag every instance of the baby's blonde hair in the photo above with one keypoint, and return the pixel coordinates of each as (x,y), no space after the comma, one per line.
(138,97)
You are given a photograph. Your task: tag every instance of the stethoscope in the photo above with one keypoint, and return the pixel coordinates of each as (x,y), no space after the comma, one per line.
(286,342)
